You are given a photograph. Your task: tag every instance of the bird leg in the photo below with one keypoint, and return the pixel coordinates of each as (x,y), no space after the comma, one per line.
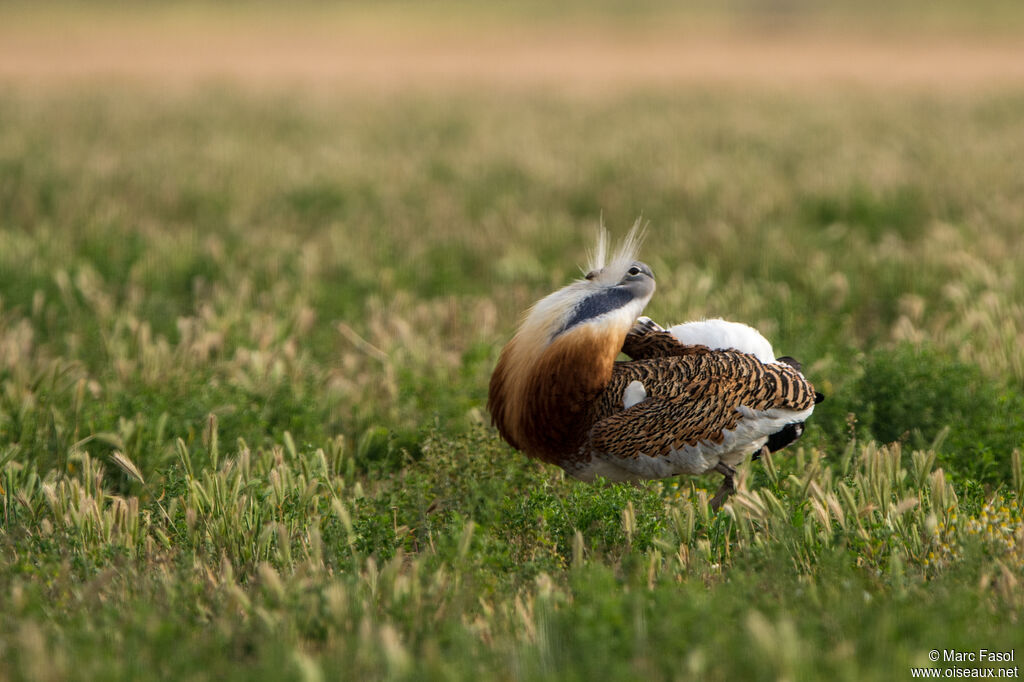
(727,488)
(764,451)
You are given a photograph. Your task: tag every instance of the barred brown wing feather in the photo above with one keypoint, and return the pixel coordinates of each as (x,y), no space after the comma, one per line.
(695,399)
(656,427)
(644,344)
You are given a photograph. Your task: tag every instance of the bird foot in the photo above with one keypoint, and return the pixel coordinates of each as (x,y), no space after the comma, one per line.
(727,488)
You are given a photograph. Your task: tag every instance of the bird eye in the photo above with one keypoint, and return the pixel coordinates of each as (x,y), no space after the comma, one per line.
(590,275)
(634,271)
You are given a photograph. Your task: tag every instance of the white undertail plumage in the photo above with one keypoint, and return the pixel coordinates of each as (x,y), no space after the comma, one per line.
(721,334)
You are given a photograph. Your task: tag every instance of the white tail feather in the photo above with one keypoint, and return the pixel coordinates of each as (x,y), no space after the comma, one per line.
(723,335)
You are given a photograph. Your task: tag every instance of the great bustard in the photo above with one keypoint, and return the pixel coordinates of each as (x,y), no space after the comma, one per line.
(693,398)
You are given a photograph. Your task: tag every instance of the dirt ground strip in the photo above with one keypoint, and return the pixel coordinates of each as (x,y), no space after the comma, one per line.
(359,57)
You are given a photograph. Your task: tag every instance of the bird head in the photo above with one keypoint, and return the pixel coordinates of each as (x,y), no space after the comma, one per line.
(562,355)
(610,297)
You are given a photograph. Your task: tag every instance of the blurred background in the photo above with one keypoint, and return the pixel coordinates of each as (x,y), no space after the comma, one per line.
(258,259)
(351,203)
(568,45)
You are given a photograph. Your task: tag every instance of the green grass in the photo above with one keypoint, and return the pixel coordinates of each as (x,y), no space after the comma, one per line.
(245,341)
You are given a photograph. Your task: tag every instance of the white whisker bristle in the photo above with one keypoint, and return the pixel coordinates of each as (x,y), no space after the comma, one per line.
(597,257)
(625,255)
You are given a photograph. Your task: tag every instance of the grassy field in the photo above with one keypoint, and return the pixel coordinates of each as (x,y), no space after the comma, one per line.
(246,334)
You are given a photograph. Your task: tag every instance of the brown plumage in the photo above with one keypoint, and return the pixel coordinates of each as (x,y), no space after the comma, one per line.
(692,397)
(558,393)
(545,409)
